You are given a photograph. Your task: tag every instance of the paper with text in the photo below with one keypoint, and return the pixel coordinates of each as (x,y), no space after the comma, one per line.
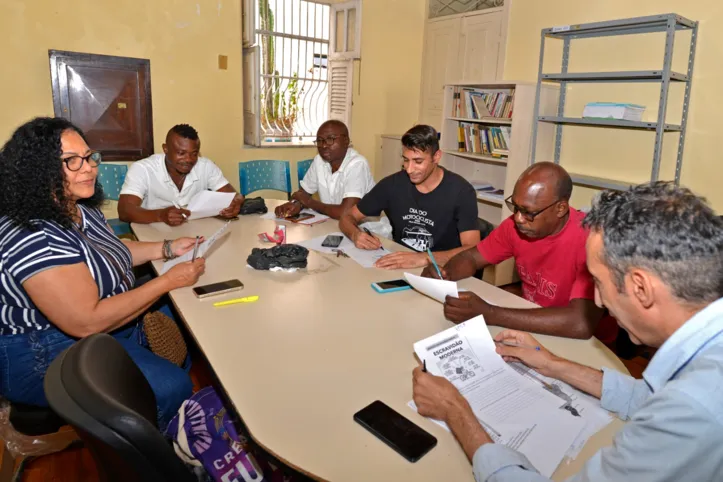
(586,406)
(437,289)
(203,248)
(366,258)
(514,410)
(209,203)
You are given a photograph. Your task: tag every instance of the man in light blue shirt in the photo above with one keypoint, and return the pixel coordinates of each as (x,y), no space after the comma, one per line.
(655,253)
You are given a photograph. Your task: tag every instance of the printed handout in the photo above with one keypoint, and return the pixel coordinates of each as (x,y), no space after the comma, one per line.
(515,410)
(366,258)
(209,203)
(203,248)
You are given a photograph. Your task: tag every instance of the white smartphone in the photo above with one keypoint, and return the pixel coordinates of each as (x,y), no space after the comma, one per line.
(217,288)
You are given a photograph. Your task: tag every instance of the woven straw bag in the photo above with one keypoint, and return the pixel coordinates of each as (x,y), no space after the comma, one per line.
(164,337)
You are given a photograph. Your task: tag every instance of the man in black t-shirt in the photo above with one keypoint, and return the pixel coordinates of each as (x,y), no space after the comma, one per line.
(428,206)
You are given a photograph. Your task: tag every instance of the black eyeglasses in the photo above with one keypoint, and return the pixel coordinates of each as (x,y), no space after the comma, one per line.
(74,163)
(529,216)
(327,141)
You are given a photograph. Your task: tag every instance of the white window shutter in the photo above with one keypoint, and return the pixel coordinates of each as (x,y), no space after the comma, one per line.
(252,105)
(340,90)
(248,23)
(345,38)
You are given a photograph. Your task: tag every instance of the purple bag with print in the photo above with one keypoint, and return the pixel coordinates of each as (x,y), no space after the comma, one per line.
(203,434)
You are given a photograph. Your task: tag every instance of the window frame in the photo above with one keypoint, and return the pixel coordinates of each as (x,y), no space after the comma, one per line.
(252,132)
(345,7)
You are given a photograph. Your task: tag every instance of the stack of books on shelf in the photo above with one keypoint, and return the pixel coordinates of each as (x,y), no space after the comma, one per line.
(477,139)
(487,190)
(470,103)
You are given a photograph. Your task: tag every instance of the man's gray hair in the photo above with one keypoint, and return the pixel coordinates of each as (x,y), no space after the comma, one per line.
(666,230)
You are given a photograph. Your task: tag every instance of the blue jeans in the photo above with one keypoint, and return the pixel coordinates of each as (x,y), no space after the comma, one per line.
(24,359)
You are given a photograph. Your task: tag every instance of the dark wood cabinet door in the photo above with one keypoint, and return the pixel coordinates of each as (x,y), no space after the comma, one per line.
(109,98)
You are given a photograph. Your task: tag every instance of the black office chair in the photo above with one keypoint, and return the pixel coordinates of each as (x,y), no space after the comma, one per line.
(484,227)
(97,388)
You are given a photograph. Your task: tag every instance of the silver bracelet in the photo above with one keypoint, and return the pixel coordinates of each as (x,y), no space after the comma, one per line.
(167,251)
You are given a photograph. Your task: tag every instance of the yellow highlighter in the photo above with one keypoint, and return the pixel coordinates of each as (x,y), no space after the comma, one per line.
(248,299)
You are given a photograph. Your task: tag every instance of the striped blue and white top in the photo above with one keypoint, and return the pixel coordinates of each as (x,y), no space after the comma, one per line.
(25,253)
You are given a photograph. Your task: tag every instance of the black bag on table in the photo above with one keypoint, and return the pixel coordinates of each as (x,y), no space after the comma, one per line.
(253,205)
(283,256)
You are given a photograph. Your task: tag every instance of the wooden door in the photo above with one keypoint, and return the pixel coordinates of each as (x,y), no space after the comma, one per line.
(109,98)
(479,47)
(439,67)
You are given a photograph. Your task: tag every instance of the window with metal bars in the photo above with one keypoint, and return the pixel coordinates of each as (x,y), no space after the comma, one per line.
(297,68)
(441,8)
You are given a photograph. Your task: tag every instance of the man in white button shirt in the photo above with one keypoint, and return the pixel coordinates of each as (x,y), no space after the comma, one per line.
(156,188)
(339,174)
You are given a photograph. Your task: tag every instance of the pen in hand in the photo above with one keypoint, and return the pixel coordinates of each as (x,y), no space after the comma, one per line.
(195,248)
(370,234)
(424,365)
(178,206)
(434,262)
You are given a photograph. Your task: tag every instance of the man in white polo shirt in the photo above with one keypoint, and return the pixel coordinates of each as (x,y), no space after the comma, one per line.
(156,188)
(339,174)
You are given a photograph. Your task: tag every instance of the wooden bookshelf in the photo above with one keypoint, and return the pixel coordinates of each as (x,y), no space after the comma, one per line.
(476,157)
(485,120)
(501,172)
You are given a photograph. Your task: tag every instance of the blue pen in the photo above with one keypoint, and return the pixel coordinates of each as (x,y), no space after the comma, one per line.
(434,262)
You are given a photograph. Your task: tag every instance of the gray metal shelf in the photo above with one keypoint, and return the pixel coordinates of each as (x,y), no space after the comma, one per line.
(668,23)
(627,26)
(600,182)
(630,76)
(623,124)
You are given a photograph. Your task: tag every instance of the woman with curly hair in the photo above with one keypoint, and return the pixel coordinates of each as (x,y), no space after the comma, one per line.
(64,275)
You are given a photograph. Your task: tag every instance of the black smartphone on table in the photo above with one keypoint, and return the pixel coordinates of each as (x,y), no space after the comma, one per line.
(332,241)
(391,286)
(395,430)
(217,288)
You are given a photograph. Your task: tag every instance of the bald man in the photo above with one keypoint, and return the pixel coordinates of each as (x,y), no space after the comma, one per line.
(546,237)
(338,173)
(158,186)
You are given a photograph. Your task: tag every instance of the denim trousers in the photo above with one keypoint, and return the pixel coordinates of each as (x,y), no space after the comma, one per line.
(25,358)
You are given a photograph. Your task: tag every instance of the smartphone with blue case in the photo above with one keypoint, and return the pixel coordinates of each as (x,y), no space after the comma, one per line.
(391,286)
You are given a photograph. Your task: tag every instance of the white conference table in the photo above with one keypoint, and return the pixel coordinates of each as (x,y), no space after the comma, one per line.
(321,344)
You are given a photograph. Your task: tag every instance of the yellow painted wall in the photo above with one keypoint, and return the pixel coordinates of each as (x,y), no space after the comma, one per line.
(624,154)
(388,78)
(183,40)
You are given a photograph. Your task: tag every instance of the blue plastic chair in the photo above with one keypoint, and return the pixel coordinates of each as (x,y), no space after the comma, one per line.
(302,167)
(111,177)
(258,175)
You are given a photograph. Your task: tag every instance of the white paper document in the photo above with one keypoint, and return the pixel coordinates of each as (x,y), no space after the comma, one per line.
(514,410)
(318,217)
(203,248)
(586,406)
(366,258)
(209,203)
(437,289)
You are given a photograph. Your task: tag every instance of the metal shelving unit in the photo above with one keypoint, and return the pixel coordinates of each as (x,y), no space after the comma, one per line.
(668,23)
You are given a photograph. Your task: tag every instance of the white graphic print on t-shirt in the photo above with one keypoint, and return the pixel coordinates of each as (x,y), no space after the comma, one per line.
(415,234)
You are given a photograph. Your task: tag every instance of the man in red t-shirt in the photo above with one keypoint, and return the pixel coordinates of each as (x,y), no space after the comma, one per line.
(547,240)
